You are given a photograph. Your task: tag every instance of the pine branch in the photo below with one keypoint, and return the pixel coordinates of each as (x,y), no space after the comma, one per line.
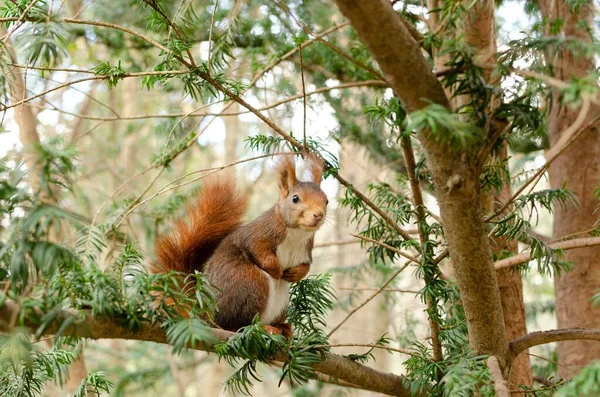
(334,365)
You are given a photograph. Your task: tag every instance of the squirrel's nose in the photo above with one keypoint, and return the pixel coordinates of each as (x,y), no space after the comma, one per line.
(318,215)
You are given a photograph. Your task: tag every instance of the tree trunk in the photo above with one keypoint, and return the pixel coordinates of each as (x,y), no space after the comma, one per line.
(579,167)
(455,173)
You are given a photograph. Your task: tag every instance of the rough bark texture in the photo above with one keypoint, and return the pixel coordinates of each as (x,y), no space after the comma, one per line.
(555,335)
(579,166)
(100,328)
(511,292)
(513,307)
(480,34)
(455,175)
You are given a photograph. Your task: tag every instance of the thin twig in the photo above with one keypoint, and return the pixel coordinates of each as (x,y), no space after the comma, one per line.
(407,291)
(563,245)
(303,96)
(369,299)
(335,243)
(384,245)
(210,32)
(370,345)
(574,131)
(427,251)
(552,362)
(220,114)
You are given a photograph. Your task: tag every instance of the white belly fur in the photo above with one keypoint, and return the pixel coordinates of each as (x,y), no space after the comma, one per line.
(291,252)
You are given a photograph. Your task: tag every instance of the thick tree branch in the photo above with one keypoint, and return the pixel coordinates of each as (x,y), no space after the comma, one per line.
(556,335)
(401,59)
(565,245)
(334,365)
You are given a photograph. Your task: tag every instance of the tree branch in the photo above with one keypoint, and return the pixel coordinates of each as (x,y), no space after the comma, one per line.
(500,386)
(565,245)
(524,342)
(426,249)
(334,365)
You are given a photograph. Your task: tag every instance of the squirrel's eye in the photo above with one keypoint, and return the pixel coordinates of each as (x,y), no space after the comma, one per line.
(295,198)
(326,202)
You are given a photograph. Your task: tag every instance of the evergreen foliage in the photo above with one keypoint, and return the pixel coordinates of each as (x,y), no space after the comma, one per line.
(96,269)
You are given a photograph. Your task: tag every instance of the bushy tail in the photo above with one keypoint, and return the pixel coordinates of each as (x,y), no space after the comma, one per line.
(216,213)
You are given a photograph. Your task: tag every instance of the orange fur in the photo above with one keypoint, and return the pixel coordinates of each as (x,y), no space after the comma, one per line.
(286,168)
(249,265)
(316,166)
(217,212)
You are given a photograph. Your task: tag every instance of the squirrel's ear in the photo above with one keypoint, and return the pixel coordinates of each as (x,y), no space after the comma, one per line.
(317,167)
(286,168)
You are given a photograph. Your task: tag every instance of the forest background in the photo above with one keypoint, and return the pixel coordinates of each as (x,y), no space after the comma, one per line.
(463,173)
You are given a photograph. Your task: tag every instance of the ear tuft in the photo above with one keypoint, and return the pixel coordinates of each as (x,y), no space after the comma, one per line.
(286,168)
(316,166)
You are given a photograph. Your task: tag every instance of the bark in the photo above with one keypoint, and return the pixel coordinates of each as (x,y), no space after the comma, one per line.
(513,307)
(556,335)
(25,118)
(563,245)
(105,328)
(480,34)
(500,386)
(455,174)
(578,166)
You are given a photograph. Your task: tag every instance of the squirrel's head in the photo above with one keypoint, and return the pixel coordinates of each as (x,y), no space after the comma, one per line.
(302,205)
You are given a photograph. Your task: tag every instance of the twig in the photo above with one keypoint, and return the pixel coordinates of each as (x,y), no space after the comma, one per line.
(210,32)
(408,291)
(427,251)
(369,299)
(156,7)
(220,114)
(210,171)
(551,361)
(384,245)
(334,243)
(500,386)
(303,96)
(70,83)
(575,130)
(370,345)
(565,245)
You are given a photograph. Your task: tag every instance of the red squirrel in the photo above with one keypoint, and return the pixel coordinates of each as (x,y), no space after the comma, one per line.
(250,265)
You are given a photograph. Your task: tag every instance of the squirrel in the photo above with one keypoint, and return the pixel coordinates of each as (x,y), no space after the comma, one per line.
(250,265)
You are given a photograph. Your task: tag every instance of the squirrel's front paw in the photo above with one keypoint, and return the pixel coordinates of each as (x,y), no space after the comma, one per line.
(276,272)
(296,273)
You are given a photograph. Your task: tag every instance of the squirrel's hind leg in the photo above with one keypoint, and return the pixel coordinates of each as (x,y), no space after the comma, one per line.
(285,329)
